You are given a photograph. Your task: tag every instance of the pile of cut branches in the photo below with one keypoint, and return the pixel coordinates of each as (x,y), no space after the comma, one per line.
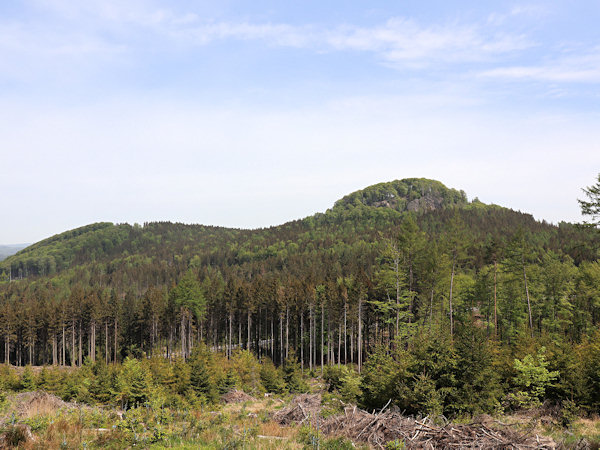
(236,396)
(304,408)
(377,429)
(384,426)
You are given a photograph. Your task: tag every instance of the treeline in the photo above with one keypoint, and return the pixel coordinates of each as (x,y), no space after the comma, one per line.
(318,308)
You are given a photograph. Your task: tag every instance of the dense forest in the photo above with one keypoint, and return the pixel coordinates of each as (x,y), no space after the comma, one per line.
(403,290)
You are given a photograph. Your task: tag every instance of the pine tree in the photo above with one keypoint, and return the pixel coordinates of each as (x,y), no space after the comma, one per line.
(591,206)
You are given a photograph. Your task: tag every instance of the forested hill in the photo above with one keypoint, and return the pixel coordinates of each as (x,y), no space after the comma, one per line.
(383,264)
(355,226)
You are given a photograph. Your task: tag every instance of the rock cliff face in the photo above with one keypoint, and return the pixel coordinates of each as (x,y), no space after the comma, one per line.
(412,194)
(429,202)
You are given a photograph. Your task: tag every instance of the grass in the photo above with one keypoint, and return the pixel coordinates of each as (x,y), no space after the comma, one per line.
(247,425)
(55,425)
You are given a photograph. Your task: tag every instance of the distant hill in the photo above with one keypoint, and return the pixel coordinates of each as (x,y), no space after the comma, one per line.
(8,250)
(356,222)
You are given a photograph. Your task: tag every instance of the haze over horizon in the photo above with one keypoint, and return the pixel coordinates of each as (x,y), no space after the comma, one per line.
(251,115)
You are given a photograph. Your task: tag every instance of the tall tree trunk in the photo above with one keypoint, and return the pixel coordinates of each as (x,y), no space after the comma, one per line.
(359,333)
(339,345)
(64,363)
(190,343)
(54,349)
(397,273)
(229,350)
(116,334)
(80,355)
(345,331)
(287,332)
(527,293)
(450,299)
(281,347)
(249,326)
(182,333)
(272,339)
(302,341)
(7,349)
(495,300)
(329,344)
(106,342)
(310,339)
(322,335)
(410,291)
(352,344)
(73,343)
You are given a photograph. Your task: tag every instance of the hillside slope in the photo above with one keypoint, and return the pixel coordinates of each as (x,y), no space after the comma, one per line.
(365,216)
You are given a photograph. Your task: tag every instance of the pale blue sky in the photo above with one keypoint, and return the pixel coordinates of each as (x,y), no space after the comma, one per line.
(251,114)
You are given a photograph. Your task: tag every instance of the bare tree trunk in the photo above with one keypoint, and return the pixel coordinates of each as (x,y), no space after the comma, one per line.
(170,344)
(54,350)
(527,293)
(329,345)
(106,342)
(190,340)
(397,273)
(359,343)
(116,333)
(281,347)
(322,335)
(93,352)
(80,345)
(182,333)
(339,345)
(345,331)
(302,341)
(450,299)
(73,343)
(229,351)
(352,344)
(314,339)
(287,331)
(310,339)
(249,326)
(495,301)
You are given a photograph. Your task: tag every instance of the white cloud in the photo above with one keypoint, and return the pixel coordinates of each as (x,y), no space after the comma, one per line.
(570,68)
(110,25)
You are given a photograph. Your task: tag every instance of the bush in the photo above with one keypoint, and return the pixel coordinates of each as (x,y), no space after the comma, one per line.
(248,369)
(379,379)
(292,374)
(271,377)
(135,383)
(532,379)
(27,379)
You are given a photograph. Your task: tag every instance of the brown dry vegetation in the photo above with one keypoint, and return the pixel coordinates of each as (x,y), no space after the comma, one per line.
(43,420)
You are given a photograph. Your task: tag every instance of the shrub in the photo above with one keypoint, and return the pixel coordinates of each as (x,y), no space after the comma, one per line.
(292,374)
(532,379)
(271,378)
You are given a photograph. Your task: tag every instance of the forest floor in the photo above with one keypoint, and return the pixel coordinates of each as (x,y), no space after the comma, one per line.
(37,419)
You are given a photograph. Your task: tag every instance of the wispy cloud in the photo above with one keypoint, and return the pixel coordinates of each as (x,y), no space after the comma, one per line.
(571,68)
(399,40)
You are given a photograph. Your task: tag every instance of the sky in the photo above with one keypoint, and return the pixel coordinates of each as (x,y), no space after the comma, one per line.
(250,114)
